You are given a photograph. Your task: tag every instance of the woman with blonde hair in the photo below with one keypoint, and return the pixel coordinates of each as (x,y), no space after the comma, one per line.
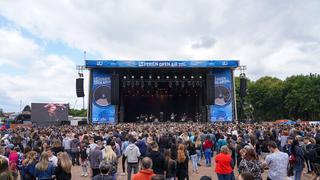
(63,171)
(224,164)
(44,169)
(198,145)
(111,157)
(182,163)
(28,166)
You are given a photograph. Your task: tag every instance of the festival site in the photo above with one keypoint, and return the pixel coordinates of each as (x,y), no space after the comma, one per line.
(159,90)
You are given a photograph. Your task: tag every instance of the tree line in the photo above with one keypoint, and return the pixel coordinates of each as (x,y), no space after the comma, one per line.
(270,98)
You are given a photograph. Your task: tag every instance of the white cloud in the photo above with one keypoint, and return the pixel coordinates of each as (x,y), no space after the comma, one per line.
(47,78)
(278,38)
(15,47)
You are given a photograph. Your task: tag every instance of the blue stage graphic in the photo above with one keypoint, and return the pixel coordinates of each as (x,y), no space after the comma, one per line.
(102,110)
(222,109)
(162,64)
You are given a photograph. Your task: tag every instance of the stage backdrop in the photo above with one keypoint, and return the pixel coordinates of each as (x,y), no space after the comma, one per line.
(223,107)
(102,110)
(49,113)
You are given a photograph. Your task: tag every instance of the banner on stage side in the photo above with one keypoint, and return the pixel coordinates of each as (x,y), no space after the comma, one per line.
(222,110)
(102,110)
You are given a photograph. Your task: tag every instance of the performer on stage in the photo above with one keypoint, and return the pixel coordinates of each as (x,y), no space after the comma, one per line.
(184,117)
(172,117)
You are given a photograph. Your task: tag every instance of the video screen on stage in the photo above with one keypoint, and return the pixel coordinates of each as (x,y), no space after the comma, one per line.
(49,113)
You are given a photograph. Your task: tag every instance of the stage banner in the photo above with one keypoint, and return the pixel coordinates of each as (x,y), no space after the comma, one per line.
(222,110)
(102,110)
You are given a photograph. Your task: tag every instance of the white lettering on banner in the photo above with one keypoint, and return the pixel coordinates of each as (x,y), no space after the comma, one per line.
(161,64)
(99,63)
(222,80)
(101,80)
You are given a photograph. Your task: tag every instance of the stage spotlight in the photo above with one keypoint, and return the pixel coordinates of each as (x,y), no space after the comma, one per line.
(175,77)
(168,77)
(150,77)
(132,77)
(200,77)
(158,77)
(192,77)
(124,77)
(183,77)
(141,77)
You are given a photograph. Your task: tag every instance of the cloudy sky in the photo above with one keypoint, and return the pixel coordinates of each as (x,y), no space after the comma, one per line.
(41,42)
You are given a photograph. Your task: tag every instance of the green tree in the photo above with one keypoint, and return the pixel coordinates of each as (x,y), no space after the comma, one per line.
(78,112)
(266,98)
(302,96)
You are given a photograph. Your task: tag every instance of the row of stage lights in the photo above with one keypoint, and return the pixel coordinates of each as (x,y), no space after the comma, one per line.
(171,84)
(159,77)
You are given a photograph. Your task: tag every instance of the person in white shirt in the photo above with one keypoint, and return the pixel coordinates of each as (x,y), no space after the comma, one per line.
(277,162)
(52,158)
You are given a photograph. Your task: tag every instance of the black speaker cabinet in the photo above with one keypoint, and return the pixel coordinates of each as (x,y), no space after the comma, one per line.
(79,87)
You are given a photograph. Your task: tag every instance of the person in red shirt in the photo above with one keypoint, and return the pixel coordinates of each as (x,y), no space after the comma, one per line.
(224,164)
(207,147)
(146,173)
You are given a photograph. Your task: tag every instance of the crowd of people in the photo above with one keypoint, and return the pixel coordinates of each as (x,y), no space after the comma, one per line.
(161,151)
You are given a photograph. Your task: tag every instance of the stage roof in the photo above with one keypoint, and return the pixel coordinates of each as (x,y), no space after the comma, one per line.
(162,63)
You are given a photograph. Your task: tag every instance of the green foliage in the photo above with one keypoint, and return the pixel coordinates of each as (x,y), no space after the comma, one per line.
(78,113)
(297,97)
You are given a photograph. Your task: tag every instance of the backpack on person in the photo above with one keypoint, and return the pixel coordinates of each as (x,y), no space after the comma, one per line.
(314,158)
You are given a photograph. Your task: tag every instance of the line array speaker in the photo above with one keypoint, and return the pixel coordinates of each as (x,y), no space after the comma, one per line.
(115,89)
(243,87)
(79,87)
(210,87)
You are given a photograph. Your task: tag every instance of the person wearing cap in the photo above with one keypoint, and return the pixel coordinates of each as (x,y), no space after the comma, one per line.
(146,173)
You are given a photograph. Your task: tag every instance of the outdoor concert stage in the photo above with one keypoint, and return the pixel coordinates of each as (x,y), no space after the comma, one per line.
(161,91)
